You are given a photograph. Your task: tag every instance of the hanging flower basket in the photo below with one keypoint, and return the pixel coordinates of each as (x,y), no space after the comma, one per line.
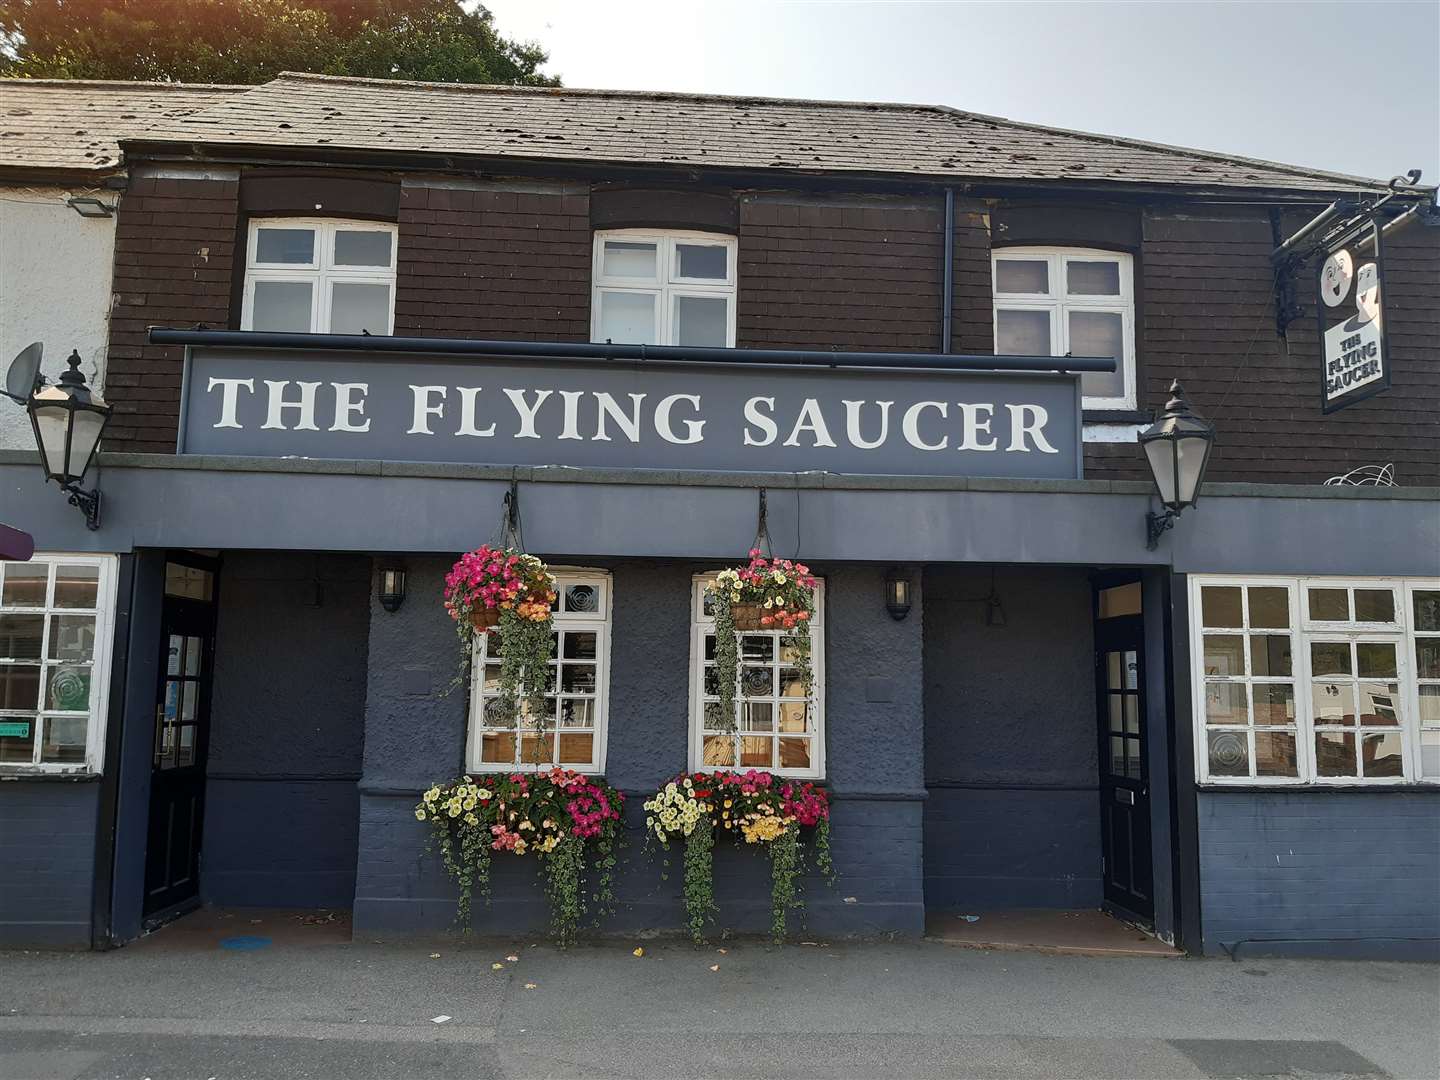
(506,591)
(746,617)
(483,619)
(754,808)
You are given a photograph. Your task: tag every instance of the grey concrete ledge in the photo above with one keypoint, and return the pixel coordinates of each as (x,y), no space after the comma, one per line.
(693,478)
(1320,789)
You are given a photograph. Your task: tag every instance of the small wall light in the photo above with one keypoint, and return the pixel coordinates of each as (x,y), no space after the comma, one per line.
(86,206)
(392,587)
(897,593)
(68,419)
(1177,446)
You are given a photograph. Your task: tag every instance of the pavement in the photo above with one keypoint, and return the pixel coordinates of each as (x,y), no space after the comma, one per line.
(365,1011)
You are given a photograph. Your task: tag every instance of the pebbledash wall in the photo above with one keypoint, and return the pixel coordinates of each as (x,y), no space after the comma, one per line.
(415,734)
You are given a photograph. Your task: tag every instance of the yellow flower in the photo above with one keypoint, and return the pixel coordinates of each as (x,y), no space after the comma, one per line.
(520,847)
(471,819)
(779,577)
(432,794)
(419,814)
(728,804)
(453,811)
(484,794)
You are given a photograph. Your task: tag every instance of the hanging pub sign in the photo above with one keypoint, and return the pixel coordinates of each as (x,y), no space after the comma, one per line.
(1350,302)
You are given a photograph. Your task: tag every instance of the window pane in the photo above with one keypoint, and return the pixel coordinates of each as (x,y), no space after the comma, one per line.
(188,581)
(582,598)
(19,688)
(1429,753)
(1329,658)
(72,637)
(1220,606)
(1330,605)
(1381,755)
(1374,605)
(758,716)
(537,748)
(794,753)
(1333,703)
(1335,753)
(1229,754)
(497,747)
(1132,714)
(577,712)
(1099,333)
(1225,704)
(710,261)
(192,656)
(718,750)
(1269,608)
(1022,333)
(64,739)
(1427,657)
(1120,600)
(627,317)
(68,689)
(792,714)
(1270,655)
(290,246)
(578,679)
(1092,278)
(623,258)
(756,682)
(1224,654)
(580,645)
(1430,705)
(362,248)
(17,739)
(281,307)
(1274,703)
(1378,704)
(20,636)
(702,321)
(757,648)
(76,586)
(1427,610)
(24,585)
(757,752)
(577,749)
(355,308)
(1022,276)
(1375,659)
(1275,753)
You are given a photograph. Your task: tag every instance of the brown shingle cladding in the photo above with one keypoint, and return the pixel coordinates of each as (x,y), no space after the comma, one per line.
(693,131)
(73,125)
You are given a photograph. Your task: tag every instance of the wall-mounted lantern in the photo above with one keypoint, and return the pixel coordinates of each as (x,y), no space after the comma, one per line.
(897,593)
(392,587)
(1177,446)
(67,419)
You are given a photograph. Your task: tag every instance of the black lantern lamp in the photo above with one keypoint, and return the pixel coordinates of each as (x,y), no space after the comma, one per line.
(897,593)
(392,587)
(68,420)
(1177,447)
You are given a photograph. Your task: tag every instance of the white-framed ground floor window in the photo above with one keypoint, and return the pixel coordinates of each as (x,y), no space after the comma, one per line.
(57,617)
(1306,680)
(777,728)
(572,731)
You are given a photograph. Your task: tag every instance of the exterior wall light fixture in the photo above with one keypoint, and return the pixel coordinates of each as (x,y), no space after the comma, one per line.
(67,418)
(897,593)
(90,207)
(1177,446)
(392,587)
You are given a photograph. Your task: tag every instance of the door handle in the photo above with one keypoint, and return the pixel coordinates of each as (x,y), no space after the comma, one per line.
(1125,795)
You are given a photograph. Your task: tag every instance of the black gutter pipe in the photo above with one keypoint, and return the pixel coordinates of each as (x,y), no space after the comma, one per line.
(566,350)
(947,273)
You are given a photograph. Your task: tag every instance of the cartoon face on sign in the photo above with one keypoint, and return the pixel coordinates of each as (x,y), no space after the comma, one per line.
(1335,277)
(1367,297)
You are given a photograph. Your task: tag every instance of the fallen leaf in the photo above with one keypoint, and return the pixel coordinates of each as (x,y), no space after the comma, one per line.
(531,986)
(513,959)
(496,966)
(442,1019)
(714,967)
(722,952)
(851,900)
(639,951)
(434,956)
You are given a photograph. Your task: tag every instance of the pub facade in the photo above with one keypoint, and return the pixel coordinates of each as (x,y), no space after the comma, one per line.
(359,328)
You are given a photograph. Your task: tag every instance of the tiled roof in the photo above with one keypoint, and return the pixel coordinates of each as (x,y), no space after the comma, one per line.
(696,131)
(67,124)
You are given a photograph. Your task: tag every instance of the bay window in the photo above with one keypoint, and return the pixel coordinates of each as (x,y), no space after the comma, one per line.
(1316,680)
(777,728)
(56,622)
(319,277)
(571,733)
(1069,302)
(664,288)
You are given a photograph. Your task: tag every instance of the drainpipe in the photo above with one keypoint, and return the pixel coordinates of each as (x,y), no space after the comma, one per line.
(947,273)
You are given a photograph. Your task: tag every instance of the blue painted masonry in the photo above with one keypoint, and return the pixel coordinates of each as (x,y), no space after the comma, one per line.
(47,852)
(1337,873)
(287,725)
(415,735)
(1013,817)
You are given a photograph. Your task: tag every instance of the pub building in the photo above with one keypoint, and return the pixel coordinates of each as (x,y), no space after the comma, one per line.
(1191,680)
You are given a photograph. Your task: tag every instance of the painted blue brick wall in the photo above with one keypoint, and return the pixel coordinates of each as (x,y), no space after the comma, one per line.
(287,726)
(1321,873)
(874,760)
(47,863)
(1013,817)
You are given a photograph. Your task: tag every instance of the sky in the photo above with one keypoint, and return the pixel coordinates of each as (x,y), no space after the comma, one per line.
(1348,87)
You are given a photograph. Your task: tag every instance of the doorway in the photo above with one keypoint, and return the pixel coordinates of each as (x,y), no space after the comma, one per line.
(1127,870)
(181,738)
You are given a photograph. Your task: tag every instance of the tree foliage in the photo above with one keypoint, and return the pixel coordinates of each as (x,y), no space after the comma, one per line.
(251,41)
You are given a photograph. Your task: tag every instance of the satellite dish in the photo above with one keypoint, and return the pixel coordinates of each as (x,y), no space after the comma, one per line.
(20,380)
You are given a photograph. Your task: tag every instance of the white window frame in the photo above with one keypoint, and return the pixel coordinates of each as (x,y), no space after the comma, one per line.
(1413,701)
(1058,302)
(668,285)
(597,622)
(98,706)
(1302,631)
(702,624)
(321,273)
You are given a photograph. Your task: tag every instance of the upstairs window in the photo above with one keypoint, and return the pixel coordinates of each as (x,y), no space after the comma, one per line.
(319,277)
(1069,302)
(664,288)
